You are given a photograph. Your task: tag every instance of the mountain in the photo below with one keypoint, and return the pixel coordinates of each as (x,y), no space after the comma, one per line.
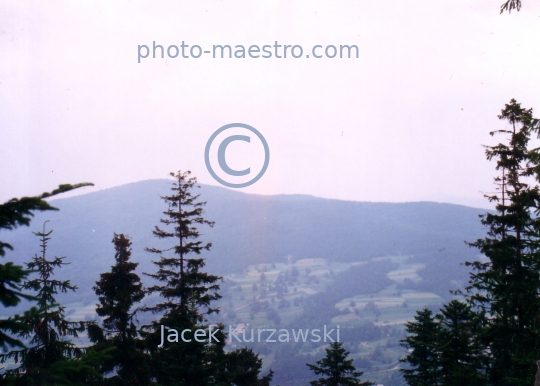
(249,229)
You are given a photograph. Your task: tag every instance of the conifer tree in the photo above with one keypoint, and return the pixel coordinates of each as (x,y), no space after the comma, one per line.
(186,290)
(181,276)
(118,291)
(423,358)
(336,369)
(242,368)
(18,212)
(506,286)
(458,346)
(49,324)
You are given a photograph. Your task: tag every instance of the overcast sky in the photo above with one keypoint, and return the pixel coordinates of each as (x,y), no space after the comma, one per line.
(403,122)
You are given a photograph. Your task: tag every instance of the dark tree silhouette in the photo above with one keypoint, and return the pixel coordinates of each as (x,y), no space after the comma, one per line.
(505,286)
(186,290)
(423,357)
(48,321)
(118,291)
(460,349)
(509,5)
(183,281)
(242,368)
(18,212)
(336,369)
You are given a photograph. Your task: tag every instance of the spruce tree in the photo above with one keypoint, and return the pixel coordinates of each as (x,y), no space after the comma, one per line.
(186,290)
(506,285)
(118,291)
(181,276)
(49,325)
(458,346)
(422,342)
(336,369)
(14,213)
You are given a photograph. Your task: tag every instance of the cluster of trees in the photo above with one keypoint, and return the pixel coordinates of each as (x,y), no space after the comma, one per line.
(43,325)
(441,271)
(37,345)
(492,337)
(320,308)
(36,348)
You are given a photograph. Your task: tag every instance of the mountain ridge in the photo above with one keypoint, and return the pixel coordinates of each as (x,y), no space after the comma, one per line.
(250,229)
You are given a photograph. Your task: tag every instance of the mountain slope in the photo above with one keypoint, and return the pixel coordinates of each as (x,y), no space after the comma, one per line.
(249,229)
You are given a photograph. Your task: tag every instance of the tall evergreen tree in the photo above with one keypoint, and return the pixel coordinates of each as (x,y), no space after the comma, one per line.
(423,358)
(459,350)
(118,291)
(506,286)
(187,290)
(17,212)
(181,275)
(49,324)
(336,369)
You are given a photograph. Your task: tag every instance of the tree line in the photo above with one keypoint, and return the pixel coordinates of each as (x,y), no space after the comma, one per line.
(37,345)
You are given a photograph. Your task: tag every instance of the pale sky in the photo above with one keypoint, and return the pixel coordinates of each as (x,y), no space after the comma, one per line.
(403,122)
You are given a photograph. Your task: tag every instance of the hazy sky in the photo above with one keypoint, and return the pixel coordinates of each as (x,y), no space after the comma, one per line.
(404,122)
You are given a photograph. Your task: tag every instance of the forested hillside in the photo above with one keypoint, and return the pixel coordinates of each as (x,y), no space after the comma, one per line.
(253,229)
(291,261)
